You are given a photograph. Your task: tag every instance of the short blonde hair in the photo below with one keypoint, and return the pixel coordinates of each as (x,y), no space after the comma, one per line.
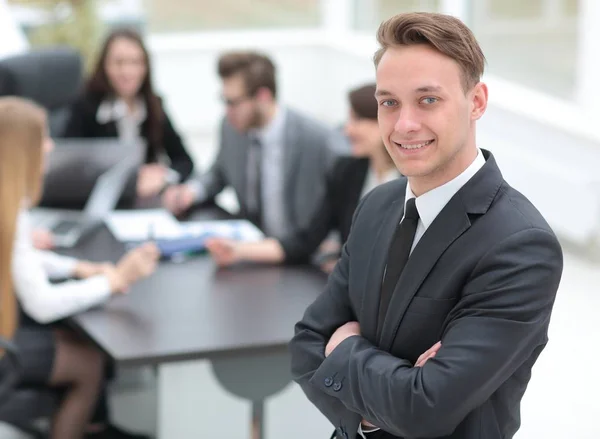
(444,33)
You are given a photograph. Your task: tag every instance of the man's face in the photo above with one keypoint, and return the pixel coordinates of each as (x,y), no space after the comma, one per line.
(242,111)
(425,117)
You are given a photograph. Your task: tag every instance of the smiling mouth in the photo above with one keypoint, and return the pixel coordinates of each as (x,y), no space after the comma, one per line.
(413,145)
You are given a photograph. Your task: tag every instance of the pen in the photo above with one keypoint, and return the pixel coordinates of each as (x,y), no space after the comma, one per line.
(151,232)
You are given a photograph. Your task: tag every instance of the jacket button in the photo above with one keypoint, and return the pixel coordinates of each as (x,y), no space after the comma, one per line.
(337,387)
(328,382)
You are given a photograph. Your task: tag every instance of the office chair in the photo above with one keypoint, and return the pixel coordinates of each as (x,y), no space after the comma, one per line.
(52,77)
(22,407)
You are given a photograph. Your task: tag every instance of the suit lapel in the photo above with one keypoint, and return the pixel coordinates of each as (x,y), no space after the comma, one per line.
(475,197)
(242,166)
(291,150)
(452,222)
(375,270)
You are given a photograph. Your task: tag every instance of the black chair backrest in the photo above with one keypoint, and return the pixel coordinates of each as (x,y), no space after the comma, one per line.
(52,77)
(9,370)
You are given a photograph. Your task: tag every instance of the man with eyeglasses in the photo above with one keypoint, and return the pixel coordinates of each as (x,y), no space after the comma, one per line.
(275,158)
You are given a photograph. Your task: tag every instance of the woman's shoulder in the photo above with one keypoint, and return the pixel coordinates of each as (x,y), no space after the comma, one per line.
(88,102)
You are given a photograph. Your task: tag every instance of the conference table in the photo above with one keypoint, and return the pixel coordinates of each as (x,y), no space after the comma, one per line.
(240,318)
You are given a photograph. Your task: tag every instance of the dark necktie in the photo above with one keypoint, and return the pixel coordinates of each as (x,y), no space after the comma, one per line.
(397,257)
(255,182)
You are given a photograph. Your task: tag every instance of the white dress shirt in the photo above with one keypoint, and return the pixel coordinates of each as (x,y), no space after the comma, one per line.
(272,138)
(128,122)
(429,205)
(129,126)
(32,268)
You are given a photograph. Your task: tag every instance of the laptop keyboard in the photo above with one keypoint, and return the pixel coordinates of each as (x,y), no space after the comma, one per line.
(65,226)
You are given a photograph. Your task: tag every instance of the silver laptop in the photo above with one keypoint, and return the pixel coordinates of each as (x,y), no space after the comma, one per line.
(76,164)
(69,226)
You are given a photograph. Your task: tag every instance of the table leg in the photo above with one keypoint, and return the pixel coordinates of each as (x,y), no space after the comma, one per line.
(254,377)
(257,420)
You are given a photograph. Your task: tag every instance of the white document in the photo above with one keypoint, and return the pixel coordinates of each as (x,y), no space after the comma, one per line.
(143,225)
(241,230)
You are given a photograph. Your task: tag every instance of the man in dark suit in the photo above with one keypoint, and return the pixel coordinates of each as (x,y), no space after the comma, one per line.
(276,159)
(439,306)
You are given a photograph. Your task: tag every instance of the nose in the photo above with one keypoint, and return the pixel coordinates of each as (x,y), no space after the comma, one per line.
(407,121)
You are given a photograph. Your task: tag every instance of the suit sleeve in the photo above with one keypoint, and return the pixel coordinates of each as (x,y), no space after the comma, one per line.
(213,181)
(180,159)
(300,245)
(500,322)
(330,311)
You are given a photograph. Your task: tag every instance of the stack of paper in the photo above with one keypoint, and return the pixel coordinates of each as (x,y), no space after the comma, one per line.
(241,230)
(143,225)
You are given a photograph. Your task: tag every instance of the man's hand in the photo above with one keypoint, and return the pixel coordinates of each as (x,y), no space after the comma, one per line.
(135,265)
(85,269)
(178,199)
(223,251)
(42,239)
(151,179)
(429,353)
(327,267)
(342,333)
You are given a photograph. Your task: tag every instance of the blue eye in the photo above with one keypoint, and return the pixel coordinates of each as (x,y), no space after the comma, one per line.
(387,103)
(429,101)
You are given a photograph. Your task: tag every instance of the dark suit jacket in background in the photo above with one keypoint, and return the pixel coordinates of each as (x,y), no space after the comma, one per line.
(344,188)
(309,151)
(482,279)
(83,123)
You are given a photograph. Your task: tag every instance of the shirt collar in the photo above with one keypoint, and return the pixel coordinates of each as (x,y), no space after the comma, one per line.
(431,203)
(113,110)
(273,131)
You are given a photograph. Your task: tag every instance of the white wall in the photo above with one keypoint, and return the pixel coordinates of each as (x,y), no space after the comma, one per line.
(553,159)
(12,40)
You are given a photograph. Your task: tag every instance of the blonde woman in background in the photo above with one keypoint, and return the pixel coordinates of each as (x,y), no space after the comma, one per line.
(49,354)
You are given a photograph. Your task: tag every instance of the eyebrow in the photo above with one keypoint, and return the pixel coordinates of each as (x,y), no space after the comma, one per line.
(380,93)
(422,89)
(428,89)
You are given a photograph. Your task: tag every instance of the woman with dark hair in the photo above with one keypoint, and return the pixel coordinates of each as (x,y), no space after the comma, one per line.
(119,101)
(351,178)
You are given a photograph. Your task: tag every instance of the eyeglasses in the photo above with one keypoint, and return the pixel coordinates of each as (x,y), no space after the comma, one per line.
(232,103)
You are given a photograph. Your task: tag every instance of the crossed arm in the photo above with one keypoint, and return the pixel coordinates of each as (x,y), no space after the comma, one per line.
(507,302)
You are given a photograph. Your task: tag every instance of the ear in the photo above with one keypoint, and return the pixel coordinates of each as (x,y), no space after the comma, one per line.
(263,94)
(479,100)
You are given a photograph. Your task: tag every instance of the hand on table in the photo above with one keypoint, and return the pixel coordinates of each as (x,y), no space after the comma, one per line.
(42,239)
(151,179)
(178,199)
(136,264)
(223,251)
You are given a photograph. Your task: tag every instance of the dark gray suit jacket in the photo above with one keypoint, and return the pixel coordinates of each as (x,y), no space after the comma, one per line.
(482,279)
(309,152)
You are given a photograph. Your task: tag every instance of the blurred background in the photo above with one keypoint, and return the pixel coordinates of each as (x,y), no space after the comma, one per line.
(543,72)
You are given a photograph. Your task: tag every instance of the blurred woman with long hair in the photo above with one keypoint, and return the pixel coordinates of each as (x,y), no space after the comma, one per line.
(119,101)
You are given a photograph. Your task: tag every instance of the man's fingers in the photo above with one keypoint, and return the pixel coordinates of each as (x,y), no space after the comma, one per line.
(429,353)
